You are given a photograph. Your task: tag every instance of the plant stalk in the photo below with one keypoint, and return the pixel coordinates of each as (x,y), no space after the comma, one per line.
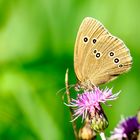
(69,100)
(102,135)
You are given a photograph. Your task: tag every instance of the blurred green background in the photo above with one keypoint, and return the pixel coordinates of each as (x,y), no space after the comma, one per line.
(36,46)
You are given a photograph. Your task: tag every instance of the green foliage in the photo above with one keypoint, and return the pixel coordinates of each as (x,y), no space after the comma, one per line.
(36,46)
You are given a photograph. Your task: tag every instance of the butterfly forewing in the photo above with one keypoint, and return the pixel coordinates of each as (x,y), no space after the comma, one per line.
(89,33)
(99,56)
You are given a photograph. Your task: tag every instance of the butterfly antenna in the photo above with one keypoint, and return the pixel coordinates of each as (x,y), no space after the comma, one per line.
(63,96)
(70,86)
(60,90)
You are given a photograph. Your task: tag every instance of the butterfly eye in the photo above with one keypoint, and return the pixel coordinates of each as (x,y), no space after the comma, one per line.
(94,41)
(98,55)
(116,60)
(85,39)
(111,54)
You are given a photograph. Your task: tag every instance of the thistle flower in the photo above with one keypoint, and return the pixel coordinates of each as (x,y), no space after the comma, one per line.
(126,129)
(89,101)
(88,105)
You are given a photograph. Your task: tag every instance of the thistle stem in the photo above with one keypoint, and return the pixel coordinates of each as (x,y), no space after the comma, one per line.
(69,100)
(102,135)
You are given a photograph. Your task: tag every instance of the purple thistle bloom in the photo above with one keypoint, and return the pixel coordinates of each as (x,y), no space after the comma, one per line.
(126,129)
(89,102)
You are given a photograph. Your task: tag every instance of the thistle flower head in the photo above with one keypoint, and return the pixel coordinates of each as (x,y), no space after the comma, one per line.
(89,102)
(126,129)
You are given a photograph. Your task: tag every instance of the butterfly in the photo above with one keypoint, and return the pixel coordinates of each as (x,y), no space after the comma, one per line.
(99,57)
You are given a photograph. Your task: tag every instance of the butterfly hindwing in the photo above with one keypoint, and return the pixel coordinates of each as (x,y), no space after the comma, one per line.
(114,60)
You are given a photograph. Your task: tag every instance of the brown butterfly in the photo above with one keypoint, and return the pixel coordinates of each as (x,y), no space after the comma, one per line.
(99,57)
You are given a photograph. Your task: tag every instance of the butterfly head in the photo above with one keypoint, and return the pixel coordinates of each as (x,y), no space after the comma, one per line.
(77,87)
